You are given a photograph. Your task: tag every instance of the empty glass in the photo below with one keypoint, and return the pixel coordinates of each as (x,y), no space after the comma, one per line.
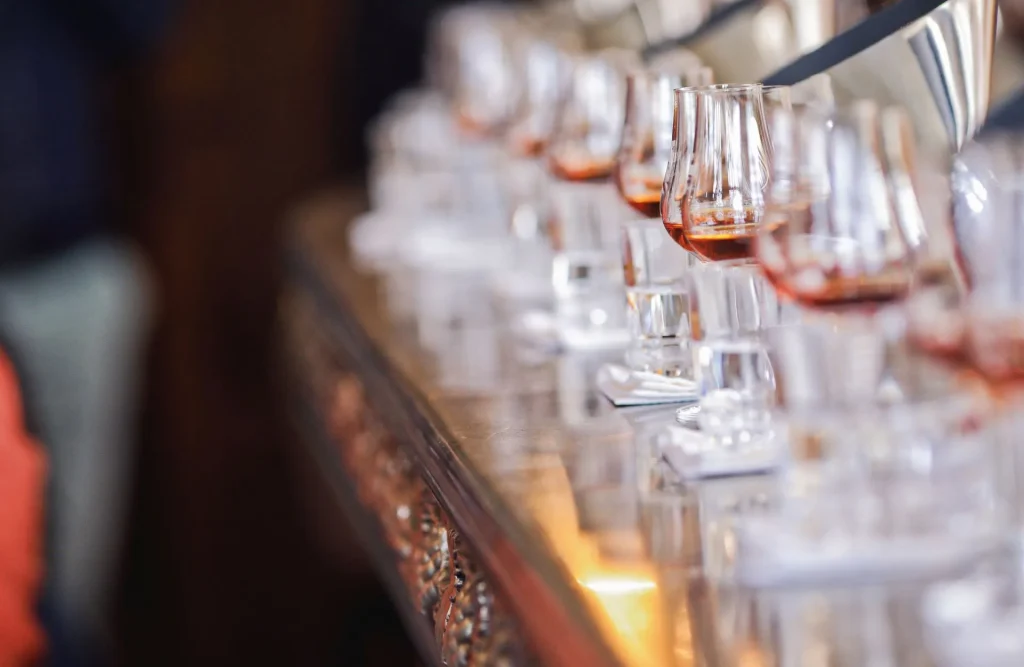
(658,300)
(732,308)
(472,60)
(882,482)
(587,271)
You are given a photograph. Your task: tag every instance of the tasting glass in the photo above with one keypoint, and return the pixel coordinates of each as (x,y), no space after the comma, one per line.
(586,213)
(989,195)
(841,229)
(590,120)
(727,172)
(545,69)
(988,192)
(474,63)
(646,147)
(658,300)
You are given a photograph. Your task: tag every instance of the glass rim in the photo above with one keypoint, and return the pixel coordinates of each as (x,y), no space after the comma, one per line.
(727,89)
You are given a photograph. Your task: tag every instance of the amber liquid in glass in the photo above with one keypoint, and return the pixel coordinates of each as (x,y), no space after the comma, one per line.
(581,170)
(997,348)
(642,193)
(839,291)
(810,272)
(529,146)
(648,204)
(676,229)
(722,234)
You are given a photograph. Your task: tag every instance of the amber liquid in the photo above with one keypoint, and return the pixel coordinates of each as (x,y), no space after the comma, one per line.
(528,146)
(675,230)
(590,170)
(722,234)
(805,266)
(642,193)
(996,347)
(839,291)
(648,204)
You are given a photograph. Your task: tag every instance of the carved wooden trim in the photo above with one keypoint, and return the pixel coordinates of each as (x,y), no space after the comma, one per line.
(451,593)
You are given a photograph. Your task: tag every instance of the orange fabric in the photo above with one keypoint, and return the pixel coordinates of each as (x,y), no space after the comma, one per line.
(22,477)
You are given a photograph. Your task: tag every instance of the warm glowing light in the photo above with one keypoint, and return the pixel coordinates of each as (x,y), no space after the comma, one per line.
(606,586)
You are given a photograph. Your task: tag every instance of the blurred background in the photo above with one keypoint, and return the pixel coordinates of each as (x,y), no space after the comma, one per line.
(149,155)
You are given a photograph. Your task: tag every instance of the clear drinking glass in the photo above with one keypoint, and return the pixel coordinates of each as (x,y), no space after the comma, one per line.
(646,148)
(989,179)
(587,271)
(905,490)
(733,306)
(545,72)
(728,172)
(590,121)
(657,295)
(472,60)
(834,235)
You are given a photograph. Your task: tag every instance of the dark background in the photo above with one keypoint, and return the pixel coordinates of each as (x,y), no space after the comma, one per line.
(249,107)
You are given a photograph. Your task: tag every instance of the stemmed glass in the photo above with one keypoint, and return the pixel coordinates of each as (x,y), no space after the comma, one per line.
(646,149)
(712,200)
(903,479)
(834,235)
(590,121)
(545,68)
(714,195)
(585,209)
(474,65)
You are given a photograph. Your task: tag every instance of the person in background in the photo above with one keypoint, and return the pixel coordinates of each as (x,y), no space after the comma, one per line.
(73,301)
(22,470)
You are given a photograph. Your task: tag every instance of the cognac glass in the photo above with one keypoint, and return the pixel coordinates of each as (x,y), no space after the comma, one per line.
(588,130)
(545,69)
(989,195)
(646,148)
(723,202)
(838,232)
(476,65)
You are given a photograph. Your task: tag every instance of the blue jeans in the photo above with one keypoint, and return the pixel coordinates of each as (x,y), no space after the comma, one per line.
(76,326)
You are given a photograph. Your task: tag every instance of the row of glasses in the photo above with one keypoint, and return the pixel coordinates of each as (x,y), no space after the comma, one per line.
(766,202)
(896,472)
(976,619)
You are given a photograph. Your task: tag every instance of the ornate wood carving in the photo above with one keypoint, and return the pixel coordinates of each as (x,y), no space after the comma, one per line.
(444,581)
